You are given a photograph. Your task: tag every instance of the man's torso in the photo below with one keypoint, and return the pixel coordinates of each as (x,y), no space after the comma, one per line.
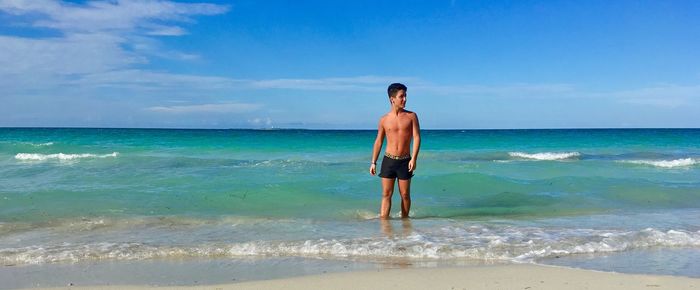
(398,130)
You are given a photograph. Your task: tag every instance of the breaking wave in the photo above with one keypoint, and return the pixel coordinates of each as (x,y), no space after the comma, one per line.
(510,244)
(40,144)
(545,155)
(60,156)
(683,162)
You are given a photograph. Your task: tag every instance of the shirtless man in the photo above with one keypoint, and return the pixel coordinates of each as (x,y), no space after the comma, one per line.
(399,126)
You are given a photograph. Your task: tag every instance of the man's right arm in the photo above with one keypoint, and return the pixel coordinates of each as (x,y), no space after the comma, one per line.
(377,148)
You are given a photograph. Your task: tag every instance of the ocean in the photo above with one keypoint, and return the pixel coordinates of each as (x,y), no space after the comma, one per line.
(624,200)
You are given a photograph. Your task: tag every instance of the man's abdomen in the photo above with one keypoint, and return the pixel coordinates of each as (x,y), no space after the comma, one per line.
(398,145)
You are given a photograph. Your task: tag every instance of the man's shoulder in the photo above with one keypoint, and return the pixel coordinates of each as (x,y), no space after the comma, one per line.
(410,113)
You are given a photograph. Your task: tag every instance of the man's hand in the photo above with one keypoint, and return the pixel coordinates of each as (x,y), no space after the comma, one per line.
(411,165)
(373,169)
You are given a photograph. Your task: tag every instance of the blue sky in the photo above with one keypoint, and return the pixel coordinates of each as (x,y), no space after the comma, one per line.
(326,64)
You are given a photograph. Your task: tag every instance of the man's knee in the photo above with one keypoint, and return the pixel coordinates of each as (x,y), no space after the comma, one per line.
(387,193)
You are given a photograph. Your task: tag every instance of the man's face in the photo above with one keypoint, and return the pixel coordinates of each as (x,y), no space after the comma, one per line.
(399,100)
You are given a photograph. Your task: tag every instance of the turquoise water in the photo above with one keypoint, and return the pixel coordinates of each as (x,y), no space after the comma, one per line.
(70,195)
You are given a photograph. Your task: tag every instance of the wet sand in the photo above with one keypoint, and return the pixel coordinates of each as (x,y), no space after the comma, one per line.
(479,277)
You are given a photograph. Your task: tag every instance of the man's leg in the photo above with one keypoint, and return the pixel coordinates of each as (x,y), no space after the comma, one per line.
(387,192)
(405,191)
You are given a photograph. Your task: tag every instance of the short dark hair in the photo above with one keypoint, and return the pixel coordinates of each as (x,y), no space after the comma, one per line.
(395,88)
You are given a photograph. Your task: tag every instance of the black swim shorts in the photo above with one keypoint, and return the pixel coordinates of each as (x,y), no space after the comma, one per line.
(396,167)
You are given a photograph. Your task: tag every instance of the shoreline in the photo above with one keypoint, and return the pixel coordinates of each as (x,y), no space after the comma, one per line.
(523,276)
(276,272)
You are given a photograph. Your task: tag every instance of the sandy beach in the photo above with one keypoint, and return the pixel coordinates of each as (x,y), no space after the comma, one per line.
(482,277)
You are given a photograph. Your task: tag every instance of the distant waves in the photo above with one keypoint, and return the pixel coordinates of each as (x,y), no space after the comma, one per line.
(672,162)
(60,156)
(683,162)
(545,155)
(555,156)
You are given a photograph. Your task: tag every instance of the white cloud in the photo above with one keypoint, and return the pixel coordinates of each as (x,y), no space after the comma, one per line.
(96,37)
(379,84)
(656,102)
(342,83)
(104,16)
(509,90)
(152,80)
(664,96)
(257,122)
(72,54)
(207,108)
(167,31)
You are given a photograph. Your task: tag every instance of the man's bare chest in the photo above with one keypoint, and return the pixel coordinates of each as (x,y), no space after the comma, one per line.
(397,124)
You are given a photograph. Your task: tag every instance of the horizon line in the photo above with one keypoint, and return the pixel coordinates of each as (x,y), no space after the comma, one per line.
(348,129)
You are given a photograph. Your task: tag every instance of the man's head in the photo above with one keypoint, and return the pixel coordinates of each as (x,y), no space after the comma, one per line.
(397,90)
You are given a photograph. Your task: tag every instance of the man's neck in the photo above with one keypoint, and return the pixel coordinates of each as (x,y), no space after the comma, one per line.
(395,110)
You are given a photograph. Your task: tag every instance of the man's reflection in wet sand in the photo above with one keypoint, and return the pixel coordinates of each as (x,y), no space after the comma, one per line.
(387,227)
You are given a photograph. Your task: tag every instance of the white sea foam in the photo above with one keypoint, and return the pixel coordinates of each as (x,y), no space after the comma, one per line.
(60,156)
(683,162)
(37,144)
(479,243)
(545,155)
(365,214)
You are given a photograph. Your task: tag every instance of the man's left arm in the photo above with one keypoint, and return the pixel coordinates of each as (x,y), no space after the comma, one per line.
(416,143)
